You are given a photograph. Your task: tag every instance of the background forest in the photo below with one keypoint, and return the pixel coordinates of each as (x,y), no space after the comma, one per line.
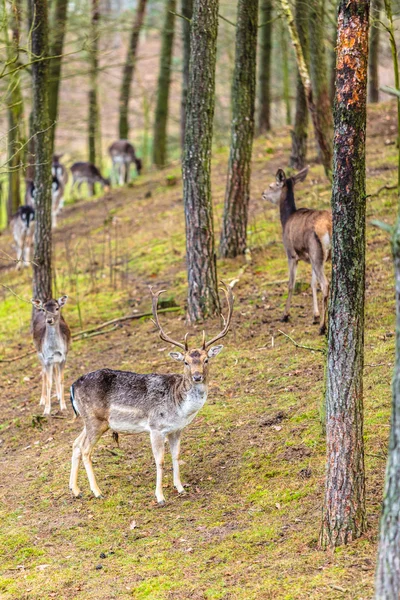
(284,467)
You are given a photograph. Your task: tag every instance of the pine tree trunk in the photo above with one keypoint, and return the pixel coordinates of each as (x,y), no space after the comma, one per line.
(319,71)
(285,74)
(373,65)
(234,225)
(187,12)
(42,270)
(58,29)
(300,131)
(344,517)
(324,143)
(129,69)
(264,68)
(94,116)
(203,298)
(15,112)
(163,86)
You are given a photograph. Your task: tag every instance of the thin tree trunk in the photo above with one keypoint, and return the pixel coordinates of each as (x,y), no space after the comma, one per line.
(58,29)
(319,71)
(94,116)
(203,298)
(15,114)
(264,68)
(344,516)
(187,11)
(373,65)
(163,86)
(42,270)
(323,142)
(300,131)
(234,225)
(285,74)
(129,70)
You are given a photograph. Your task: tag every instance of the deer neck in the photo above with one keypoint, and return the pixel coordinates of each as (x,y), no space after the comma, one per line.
(193,396)
(287,204)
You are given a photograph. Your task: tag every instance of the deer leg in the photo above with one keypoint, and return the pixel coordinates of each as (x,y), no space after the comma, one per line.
(87,445)
(174,440)
(20,257)
(292,281)
(44,387)
(127,169)
(76,458)
(121,174)
(26,251)
(323,282)
(314,282)
(158,447)
(61,398)
(49,382)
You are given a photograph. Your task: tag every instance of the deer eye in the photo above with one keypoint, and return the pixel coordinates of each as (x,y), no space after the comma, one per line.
(186,363)
(206,361)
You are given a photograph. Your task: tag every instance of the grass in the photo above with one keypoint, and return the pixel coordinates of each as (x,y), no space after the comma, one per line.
(248,525)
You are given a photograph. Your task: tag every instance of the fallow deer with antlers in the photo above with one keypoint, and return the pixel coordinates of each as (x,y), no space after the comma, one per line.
(161,405)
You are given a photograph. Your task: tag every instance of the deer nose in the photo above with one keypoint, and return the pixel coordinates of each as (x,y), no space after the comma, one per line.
(197,378)
(50,321)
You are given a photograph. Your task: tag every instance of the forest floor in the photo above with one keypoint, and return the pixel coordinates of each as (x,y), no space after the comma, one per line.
(253,459)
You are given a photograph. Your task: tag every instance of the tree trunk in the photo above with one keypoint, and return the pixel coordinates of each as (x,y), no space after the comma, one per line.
(264,68)
(15,114)
(237,195)
(344,517)
(129,69)
(94,116)
(300,131)
(319,71)
(285,74)
(42,271)
(58,29)
(187,11)
(203,298)
(163,86)
(373,65)
(323,142)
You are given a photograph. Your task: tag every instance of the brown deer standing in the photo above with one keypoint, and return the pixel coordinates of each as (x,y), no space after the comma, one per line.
(123,155)
(86,172)
(307,236)
(52,337)
(127,402)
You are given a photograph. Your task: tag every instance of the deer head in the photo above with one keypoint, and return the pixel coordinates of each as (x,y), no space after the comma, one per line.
(51,309)
(274,192)
(195,360)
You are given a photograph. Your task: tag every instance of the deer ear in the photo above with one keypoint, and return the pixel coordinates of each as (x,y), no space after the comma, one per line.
(62,301)
(214,351)
(300,176)
(177,356)
(280,176)
(37,304)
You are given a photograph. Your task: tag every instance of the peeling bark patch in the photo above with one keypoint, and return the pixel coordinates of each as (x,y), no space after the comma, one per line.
(352,59)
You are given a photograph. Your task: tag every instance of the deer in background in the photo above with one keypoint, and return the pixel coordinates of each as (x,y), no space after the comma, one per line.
(57,197)
(60,174)
(86,172)
(123,155)
(307,236)
(52,338)
(161,405)
(23,228)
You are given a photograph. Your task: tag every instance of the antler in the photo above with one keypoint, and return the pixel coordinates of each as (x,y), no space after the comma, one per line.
(156,322)
(230,299)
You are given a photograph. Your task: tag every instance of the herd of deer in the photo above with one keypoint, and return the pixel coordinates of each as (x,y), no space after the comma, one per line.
(163,405)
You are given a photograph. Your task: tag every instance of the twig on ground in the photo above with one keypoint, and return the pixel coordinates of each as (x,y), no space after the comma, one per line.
(381,189)
(323,351)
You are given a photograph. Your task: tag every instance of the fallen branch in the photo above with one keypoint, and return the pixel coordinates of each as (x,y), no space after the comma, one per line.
(381,189)
(323,351)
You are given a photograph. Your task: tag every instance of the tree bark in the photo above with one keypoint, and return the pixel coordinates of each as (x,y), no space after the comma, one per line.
(319,72)
(300,131)
(203,298)
(344,516)
(285,74)
(323,142)
(129,69)
(58,29)
(187,11)
(234,225)
(373,65)
(264,68)
(163,86)
(94,115)
(42,270)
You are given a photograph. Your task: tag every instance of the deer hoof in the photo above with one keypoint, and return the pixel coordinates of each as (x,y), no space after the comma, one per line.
(76,493)
(161,503)
(316,319)
(322,330)
(285,319)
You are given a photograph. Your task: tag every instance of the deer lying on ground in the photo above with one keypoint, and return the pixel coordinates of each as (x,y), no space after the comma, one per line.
(86,172)
(307,236)
(127,402)
(23,228)
(123,155)
(52,337)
